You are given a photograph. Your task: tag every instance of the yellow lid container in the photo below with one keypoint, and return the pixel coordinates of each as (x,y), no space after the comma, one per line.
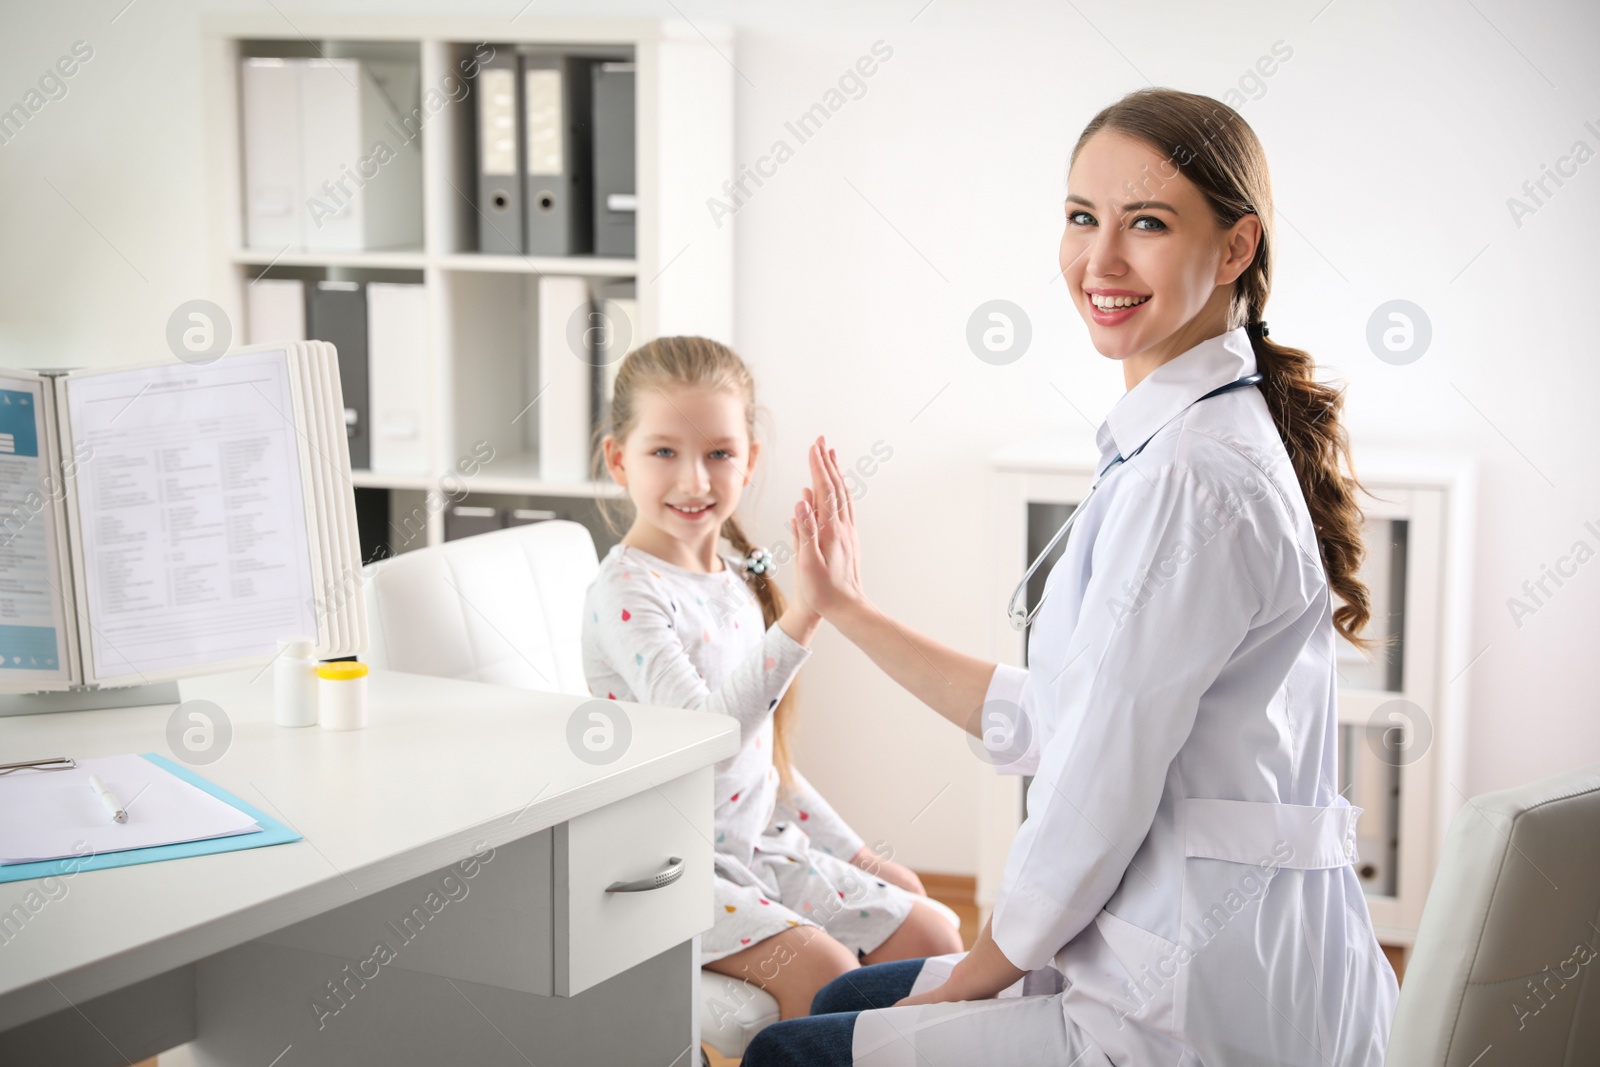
(341,671)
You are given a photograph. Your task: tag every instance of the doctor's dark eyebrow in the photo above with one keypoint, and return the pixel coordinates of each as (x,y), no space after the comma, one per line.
(1137,205)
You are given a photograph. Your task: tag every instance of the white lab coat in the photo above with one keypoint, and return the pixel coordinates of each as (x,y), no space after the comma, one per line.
(1185,864)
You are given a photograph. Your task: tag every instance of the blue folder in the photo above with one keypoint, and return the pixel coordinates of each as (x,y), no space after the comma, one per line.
(272,832)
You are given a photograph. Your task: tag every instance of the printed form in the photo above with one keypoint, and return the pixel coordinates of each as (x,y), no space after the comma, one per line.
(195,547)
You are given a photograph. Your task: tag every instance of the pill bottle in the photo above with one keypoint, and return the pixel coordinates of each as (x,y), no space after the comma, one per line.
(294,682)
(342,695)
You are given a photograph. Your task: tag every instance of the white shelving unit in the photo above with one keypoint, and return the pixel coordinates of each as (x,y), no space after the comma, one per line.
(483,326)
(1419,511)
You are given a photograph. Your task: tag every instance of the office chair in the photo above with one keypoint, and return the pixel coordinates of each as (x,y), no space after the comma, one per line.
(1505,957)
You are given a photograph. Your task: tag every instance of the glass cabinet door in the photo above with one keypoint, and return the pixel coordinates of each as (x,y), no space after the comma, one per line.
(1384,572)
(1372,753)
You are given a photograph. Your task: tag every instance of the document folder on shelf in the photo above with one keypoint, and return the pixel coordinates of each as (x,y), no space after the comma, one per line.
(556,108)
(338,315)
(310,131)
(500,175)
(616,202)
(275,310)
(563,381)
(399,404)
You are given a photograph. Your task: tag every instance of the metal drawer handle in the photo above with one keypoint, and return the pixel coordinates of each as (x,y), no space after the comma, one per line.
(665,877)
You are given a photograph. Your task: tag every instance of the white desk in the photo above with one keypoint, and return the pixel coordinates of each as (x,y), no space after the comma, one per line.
(525,959)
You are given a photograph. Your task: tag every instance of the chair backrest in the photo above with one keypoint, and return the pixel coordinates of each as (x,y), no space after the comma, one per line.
(504,607)
(1506,952)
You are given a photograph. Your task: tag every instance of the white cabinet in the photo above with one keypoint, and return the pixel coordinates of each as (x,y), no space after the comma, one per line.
(1402,716)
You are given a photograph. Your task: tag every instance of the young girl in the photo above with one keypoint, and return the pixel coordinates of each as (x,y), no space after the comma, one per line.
(672,620)
(1182,890)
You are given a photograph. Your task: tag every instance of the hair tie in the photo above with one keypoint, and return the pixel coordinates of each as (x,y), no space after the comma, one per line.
(1257,328)
(759,561)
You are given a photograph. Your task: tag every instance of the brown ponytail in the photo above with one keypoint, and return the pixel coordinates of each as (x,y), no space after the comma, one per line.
(1307,416)
(1208,143)
(700,363)
(772,606)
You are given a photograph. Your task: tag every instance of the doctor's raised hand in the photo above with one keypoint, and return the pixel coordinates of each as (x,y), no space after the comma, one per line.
(828,568)
(828,579)
(827,550)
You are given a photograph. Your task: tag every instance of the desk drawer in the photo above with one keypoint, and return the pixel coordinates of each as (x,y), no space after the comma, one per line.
(598,933)
(533,915)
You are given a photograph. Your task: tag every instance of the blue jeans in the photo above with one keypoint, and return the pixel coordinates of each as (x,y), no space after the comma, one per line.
(823,1039)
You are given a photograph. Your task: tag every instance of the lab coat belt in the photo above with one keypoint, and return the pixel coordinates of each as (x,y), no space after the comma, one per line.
(1299,836)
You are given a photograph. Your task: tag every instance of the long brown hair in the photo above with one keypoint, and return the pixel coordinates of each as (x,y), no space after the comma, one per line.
(699,363)
(1208,143)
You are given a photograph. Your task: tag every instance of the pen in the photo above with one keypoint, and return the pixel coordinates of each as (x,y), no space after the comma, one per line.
(50,763)
(117,814)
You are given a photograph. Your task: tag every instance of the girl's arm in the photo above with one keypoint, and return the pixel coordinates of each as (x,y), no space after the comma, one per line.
(828,577)
(633,626)
(980,975)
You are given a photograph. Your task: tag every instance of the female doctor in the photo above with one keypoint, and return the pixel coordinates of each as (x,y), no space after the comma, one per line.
(1181,891)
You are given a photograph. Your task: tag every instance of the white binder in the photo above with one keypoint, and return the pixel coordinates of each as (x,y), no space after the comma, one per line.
(274,199)
(397,356)
(618,335)
(331,164)
(563,380)
(275,310)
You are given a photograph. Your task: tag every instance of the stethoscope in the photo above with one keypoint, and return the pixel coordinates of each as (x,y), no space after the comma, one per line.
(1022,620)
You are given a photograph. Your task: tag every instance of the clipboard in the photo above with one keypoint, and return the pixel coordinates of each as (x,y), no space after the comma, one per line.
(272,832)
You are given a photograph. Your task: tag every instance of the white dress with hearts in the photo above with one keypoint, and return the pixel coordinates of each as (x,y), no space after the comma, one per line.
(657,633)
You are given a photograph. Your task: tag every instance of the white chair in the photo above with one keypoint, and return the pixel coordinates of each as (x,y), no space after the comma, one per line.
(503,607)
(1505,956)
(507,607)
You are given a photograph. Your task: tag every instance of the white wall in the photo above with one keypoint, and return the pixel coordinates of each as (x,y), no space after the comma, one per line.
(1395,138)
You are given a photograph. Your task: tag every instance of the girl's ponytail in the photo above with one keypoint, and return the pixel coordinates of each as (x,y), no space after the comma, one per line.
(772,607)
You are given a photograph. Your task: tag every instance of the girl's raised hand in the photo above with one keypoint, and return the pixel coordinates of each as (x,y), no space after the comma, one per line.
(827,551)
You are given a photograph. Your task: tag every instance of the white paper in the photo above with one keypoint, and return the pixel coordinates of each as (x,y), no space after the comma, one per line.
(51,815)
(192,513)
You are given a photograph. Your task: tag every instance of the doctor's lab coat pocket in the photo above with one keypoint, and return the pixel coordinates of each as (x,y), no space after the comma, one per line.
(1154,968)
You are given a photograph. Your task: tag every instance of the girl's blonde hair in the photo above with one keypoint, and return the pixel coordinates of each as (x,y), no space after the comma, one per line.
(1207,142)
(698,363)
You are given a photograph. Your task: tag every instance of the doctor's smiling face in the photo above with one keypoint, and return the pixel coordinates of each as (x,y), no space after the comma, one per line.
(1145,260)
